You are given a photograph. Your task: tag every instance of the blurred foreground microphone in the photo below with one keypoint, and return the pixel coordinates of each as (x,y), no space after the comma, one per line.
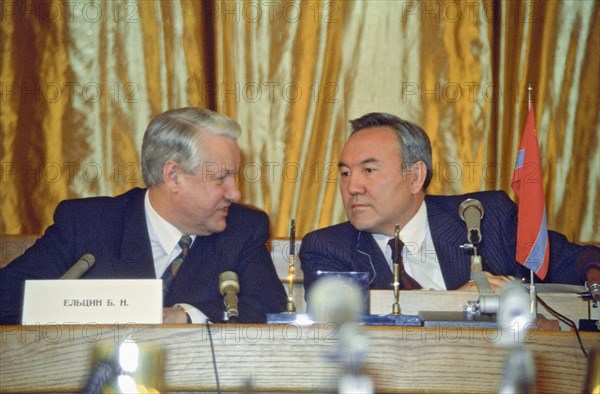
(339,301)
(229,287)
(519,373)
(514,314)
(125,368)
(471,212)
(587,267)
(80,267)
(515,319)
(336,300)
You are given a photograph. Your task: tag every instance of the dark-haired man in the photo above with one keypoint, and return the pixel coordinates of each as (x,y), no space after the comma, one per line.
(385,168)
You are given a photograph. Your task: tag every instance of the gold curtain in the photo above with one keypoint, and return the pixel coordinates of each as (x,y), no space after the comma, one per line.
(81,80)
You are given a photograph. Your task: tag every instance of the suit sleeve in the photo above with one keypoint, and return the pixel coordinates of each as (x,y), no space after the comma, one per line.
(261,290)
(562,266)
(48,258)
(499,231)
(242,250)
(563,260)
(319,254)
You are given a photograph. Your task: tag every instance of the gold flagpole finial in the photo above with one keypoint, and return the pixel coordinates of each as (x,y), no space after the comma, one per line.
(529,90)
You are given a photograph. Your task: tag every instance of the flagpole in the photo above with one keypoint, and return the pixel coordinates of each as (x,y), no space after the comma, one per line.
(532,295)
(532,291)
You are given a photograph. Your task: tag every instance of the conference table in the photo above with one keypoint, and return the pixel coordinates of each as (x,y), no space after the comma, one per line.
(302,358)
(289,357)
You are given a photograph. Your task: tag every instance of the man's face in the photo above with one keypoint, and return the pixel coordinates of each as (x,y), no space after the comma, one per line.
(204,197)
(376,191)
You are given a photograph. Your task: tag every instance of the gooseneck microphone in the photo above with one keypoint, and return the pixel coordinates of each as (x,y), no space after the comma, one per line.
(80,267)
(229,287)
(471,212)
(587,267)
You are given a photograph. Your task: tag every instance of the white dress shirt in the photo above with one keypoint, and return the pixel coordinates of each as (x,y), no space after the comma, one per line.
(164,240)
(419,255)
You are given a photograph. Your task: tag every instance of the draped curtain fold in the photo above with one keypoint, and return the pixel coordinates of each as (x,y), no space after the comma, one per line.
(81,80)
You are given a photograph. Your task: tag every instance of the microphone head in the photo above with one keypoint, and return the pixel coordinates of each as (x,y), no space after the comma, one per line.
(470,203)
(335,299)
(471,212)
(228,281)
(82,265)
(89,259)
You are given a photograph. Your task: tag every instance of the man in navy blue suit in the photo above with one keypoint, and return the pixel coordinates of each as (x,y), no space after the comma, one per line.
(190,159)
(385,168)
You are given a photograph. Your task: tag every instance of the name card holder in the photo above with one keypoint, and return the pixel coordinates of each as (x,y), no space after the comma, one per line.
(99,301)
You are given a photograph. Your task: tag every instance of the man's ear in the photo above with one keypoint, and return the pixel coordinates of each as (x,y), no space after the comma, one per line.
(171,172)
(418,171)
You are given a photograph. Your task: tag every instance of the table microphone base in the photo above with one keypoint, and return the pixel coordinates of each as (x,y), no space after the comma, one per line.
(304,319)
(392,320)
(458,320)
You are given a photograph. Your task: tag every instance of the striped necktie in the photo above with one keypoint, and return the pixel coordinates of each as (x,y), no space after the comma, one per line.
(171,271)
(407,282)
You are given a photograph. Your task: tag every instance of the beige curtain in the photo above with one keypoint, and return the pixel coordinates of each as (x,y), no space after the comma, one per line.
(81,80)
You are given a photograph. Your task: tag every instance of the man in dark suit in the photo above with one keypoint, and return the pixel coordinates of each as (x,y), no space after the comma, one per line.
(385,168)
(190,159)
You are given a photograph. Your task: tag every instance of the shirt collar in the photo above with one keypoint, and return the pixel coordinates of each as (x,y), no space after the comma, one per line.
(413,232)
(160,230)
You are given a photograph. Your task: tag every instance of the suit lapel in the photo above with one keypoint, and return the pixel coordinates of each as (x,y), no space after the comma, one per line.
(370,259)
(198,272)
(136,252)
(448,233)
(203,258)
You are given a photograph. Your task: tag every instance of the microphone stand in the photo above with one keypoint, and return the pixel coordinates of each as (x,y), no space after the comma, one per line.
(290,316)
(291,307)
(396,271)
(488,301)
(396,318)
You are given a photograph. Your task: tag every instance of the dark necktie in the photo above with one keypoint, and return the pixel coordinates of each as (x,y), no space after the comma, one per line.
(407,282)
(173,268)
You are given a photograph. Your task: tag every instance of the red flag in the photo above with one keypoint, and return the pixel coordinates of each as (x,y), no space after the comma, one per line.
(533,247)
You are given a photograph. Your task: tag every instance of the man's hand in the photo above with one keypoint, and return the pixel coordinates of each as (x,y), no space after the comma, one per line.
(174,315)
(496,282)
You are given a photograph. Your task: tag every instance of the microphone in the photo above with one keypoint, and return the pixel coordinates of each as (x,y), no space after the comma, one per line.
(335,299)
(471,212)
(80,267)
(339,301)
(587,266)
(514,313)
(229,287)
(519,373)
(515,320)
(102,373)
